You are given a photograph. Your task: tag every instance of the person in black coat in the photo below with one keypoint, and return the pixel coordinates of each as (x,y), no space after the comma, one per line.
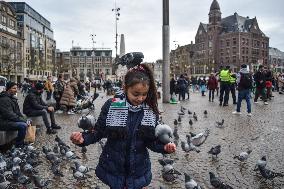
(260,80)
(11,118)
(34,106)
(172,86)
(128,122)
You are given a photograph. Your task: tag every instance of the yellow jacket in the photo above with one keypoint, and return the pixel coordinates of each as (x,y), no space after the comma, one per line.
(48,86)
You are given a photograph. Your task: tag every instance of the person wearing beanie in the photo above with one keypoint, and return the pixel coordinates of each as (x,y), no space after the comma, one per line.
(244,83)
(11,118)
(34,106)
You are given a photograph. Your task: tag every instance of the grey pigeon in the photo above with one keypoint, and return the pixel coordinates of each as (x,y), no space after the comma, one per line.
(268,174)
(6,185)
(205,113)
(190,183)
(187,147)
(243,156)
(217,183)
(189,112)
(179,119)
(215,150)
(175,122)
(169,173)
(190,122)
(55,170)
(40,183)
(200,138)
(262,162)
(131,59)
(164,133)
(175,133)
(220,124)
(194,116)
(81,168)
(78,175)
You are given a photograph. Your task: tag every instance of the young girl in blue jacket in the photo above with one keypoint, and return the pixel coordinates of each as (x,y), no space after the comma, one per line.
(128,122)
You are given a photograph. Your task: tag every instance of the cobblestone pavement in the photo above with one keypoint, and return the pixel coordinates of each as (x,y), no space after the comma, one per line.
(263,133)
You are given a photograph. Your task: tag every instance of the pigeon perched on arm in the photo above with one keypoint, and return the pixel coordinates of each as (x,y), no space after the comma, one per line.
(164,133)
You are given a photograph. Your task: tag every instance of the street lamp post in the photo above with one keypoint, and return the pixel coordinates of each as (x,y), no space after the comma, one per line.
(117,15)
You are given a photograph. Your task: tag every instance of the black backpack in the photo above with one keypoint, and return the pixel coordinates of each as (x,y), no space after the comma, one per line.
(246,81)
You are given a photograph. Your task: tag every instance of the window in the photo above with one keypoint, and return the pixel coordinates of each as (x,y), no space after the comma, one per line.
(4,19)
(12,23)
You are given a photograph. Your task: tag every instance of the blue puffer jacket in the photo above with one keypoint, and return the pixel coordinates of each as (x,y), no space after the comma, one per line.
(125,160)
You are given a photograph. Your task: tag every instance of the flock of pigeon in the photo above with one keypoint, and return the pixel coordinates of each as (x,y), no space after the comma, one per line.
(18,166)
(192,143)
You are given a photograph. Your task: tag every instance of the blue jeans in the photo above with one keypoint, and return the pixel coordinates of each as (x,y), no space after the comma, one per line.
(244,94)
(21,128)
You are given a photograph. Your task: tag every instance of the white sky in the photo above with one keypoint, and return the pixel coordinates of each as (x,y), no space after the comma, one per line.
(141,21)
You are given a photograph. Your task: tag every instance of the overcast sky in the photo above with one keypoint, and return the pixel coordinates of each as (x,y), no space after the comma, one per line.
(141,21)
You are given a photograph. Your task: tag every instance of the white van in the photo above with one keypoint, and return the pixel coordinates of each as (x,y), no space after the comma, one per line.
(3,81)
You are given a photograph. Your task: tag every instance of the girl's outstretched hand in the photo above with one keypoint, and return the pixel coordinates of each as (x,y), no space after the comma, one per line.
(77,138)
(170,147)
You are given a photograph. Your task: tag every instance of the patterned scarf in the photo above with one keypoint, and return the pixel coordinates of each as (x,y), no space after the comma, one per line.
(118,113)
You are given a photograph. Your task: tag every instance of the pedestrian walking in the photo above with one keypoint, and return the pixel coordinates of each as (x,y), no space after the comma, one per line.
(128,122)
(48,88)
(212,86)
(58,91)
(181,85)
(244,81)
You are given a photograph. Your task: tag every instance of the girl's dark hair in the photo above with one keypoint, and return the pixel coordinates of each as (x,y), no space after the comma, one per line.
(143,74)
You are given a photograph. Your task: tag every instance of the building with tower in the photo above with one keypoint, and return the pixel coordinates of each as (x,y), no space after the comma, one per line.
(233,40)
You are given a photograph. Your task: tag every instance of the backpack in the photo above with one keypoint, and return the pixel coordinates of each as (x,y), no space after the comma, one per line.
(246,81)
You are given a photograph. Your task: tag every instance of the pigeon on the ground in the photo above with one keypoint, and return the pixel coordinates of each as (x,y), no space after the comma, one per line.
(220,124)
(175,133)
(268,174)
(262,162)
(189,112)
(81,168)
(55,170)
(200,138)
(78,175)
(205,113)
(190,183)
(215,150)
(243,156)
(175,122)
(40,183)
(169,173)
(179,119)
(190,122)
(194,116)
(217,183)
(164,133)
(187,147)
(6,185)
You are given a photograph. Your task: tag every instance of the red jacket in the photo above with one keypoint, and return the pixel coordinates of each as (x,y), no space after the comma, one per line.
(212,83)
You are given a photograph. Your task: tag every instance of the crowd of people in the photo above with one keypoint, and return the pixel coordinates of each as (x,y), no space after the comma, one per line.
(261,83)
